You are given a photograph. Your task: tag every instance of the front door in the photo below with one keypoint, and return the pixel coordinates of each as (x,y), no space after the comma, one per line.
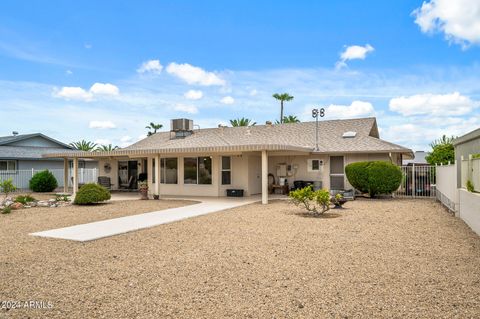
(337,173)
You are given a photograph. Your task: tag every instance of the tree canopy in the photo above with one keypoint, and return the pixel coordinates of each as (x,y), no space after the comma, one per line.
(242,122)
(442,152)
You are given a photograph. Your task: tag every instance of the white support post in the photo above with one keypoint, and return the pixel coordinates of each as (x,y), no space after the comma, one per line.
(65,175)
(264,177)
(157,175)
(75,176)
(414,187)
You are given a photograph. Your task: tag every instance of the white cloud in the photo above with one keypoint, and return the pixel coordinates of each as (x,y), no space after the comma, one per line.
(459,20)
(126,141)
(192,109)
(88,45)
(194,75)
(193,95)
(355,109)
(150,66)
(69,72)
(253,92)
(433,104)
(354,52)
(78,93)
(227,100)
(73,93)
(102,124)
(104,89)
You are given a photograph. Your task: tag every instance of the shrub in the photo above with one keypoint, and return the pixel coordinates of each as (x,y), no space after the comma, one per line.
(470,186)
(43,182)
(7,187)
(316,202)
(6,210)
(374,177)
(24,199)
(91,194)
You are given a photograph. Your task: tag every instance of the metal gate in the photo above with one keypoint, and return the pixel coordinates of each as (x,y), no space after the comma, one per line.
(418,181)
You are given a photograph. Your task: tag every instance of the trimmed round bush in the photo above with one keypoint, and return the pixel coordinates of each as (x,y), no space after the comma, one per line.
(91,194)
(374,177)
(43,182)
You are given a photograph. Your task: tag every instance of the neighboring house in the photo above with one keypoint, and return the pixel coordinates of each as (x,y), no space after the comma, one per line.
(207,162)
(418,160)
(465,146)
(22,153)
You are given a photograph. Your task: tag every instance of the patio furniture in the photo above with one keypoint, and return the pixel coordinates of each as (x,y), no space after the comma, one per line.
(301,184)
(284,189)
(234,192)
(104,181)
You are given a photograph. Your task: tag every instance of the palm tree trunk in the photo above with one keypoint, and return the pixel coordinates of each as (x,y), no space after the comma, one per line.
(281,112)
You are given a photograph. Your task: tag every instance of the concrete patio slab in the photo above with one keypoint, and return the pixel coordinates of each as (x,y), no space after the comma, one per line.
(116,226)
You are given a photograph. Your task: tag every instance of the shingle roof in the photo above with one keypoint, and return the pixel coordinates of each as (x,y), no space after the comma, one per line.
(293,137)
(5,140)
(16,152)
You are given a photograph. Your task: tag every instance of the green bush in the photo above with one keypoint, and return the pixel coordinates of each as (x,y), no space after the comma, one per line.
(43,182)
(316,202)
(24,199)
(7,187)
(470,186)
(374,177)
(91,194)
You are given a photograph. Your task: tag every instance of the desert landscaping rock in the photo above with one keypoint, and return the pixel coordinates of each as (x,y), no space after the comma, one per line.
(373,259)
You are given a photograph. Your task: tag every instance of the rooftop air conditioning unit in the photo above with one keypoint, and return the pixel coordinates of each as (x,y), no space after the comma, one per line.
(181,125)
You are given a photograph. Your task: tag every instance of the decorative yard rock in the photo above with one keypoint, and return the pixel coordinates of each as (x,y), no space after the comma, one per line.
(16,206)
(43,203)
(8,202)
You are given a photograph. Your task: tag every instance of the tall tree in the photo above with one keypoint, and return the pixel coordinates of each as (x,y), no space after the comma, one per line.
(242,122)
(442,152)
(106,148)
(284,97)
(83,145)
(289,119)
(154,127)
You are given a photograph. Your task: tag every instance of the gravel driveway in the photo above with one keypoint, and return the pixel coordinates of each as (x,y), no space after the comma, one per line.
(374,259)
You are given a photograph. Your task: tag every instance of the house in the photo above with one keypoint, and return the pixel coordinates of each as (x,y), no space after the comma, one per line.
(208,162)
(21,153)
(465,146)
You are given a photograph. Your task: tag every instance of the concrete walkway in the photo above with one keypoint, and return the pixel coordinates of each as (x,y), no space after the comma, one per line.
(116,226)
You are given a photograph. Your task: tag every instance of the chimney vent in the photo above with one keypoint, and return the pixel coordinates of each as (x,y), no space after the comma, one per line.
(14,133)
(268,123)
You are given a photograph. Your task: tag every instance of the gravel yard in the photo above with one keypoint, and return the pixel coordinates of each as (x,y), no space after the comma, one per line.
(374,259)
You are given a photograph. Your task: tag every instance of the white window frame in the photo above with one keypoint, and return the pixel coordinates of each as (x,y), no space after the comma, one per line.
(163,172)
(310,165)
(9,170)
(198,170)
(226,170)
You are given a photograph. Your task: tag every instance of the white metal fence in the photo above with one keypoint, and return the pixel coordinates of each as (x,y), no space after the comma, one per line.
(418,181)
(21,178)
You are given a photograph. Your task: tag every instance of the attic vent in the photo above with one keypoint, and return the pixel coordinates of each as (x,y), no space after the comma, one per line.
(349,134)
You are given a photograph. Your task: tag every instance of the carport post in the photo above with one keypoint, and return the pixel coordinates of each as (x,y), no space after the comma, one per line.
(157,175)
(264,177)
(65,175)
(75,176)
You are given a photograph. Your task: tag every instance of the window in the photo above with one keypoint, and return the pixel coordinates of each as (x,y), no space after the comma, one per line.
(197,170)
(314,165)
(10,166)
(226,170)
(337,174)
(153,171)
(169,170)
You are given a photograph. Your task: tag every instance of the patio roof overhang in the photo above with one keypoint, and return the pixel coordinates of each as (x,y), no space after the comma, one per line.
(214,149)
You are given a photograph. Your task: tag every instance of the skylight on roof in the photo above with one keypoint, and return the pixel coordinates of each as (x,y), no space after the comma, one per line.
(349,134)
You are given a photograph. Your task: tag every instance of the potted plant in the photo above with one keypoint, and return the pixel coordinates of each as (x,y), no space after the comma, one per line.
(143,189)
(338,200)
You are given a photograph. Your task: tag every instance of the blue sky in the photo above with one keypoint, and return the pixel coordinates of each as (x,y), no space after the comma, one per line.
(102,70)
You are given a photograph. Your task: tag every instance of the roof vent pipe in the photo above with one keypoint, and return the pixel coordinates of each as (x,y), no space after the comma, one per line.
(14,133)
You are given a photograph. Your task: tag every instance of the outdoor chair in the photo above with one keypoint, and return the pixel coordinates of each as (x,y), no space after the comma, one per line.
(105,182)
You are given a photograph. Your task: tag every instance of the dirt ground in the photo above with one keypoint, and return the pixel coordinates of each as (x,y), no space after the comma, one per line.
(373,259)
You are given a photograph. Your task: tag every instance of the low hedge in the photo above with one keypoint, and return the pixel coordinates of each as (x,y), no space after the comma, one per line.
(91,194)
(374,177)
(43,182)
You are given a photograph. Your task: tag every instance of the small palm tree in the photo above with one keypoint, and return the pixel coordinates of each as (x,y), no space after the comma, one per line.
(242,122)
(289,119)
(154,127)
(106,148)
(284,97)
(83,145)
